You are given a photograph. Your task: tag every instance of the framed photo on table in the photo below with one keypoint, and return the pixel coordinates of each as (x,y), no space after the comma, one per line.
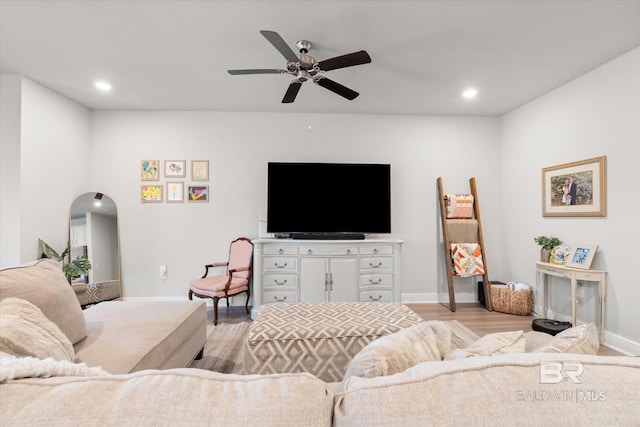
(575,189)
(582,256)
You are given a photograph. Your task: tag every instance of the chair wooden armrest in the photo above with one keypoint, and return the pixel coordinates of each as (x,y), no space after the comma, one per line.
(215,264)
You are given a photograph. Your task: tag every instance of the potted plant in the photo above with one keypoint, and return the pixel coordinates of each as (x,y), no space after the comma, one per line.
(73,269)
(547,243)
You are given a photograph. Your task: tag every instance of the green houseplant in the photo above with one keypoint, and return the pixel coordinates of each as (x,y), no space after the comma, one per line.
(72,269)
(547,243)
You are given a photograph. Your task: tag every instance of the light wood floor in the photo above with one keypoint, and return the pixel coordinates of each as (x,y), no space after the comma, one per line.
(473,315)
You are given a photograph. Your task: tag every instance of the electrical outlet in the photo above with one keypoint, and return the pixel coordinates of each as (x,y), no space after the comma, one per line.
(579,291)
(163,271)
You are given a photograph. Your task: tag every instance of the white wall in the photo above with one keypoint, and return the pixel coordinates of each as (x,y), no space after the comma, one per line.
(46,166)
(10,94)
(239,146)
(597,114)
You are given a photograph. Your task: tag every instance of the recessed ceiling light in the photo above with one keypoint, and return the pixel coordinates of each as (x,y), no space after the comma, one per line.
(469,93)
(102,85)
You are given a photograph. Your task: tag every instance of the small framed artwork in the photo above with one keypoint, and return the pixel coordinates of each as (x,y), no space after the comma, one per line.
(560,255)
(151,193)
(175,168)
(198,193)
(175,192)
(149,170)
(200,170)
(575,189)
(582,256)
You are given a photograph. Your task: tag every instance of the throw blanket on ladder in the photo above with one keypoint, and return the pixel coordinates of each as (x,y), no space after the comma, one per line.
(467,259)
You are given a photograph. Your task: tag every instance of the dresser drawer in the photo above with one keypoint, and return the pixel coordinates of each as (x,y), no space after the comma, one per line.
(376,263)
(276,296)
(376,295)
(376,250)
(279,281)
(276,249)
(277,263)
(377,280)
(328,250)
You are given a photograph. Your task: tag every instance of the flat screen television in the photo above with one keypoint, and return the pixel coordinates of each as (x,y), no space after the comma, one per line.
(328,200)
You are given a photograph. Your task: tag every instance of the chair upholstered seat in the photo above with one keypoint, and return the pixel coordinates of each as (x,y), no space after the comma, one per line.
(214,286)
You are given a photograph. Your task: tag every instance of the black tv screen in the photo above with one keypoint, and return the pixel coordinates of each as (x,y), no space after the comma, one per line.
(328,198)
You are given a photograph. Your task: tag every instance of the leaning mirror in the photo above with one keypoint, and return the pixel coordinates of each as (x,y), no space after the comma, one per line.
(93,233)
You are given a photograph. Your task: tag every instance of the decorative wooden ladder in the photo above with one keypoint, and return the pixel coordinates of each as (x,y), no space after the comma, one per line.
(448,239)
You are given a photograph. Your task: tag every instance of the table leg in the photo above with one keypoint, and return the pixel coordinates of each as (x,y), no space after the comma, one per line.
(602,289)
(574,287)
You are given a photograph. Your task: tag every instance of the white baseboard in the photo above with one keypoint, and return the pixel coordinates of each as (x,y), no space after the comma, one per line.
(433,298)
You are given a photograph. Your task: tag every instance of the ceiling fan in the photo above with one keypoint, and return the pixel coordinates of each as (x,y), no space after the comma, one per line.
(304,67)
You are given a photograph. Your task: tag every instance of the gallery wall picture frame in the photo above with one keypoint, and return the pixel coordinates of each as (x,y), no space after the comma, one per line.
(151,193)
(149,170)
(175,192)
(200,170)
(198,193)
(575,189)
(175,168)
(582,256)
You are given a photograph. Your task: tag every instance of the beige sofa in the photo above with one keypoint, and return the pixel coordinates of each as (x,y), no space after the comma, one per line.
(119,336)
(416,376)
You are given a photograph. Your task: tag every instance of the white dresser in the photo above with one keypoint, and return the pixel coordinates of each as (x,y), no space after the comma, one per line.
(286,270)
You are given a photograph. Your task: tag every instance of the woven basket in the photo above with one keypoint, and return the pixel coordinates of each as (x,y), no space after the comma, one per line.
(507,301)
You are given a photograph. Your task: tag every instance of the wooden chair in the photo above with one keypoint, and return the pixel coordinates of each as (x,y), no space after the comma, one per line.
(235,281)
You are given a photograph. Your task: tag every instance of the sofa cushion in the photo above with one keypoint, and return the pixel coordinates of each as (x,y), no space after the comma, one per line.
(430,340)
(44,284)
(501,390)
(492,344)
(25,331)
(582,339)
(174,397)
(127,336)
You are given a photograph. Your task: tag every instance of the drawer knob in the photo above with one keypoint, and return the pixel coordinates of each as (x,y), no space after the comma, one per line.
(348,251)
(375,266)
(375,250)
(309,252)
(284,298)
(284,282)
(280,251)
(280,265)
(376,282)
(372,298)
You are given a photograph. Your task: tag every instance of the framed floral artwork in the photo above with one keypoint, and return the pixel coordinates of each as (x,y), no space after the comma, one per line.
(151,193)
(560,255)
(198,193)
(575,189)
(175,168)
(175,192)
(200,170)
(149,170)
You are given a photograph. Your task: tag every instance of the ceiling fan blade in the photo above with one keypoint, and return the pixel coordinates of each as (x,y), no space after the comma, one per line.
(256,71)
(282,46)
(292,92)
(348,60)
(337,88)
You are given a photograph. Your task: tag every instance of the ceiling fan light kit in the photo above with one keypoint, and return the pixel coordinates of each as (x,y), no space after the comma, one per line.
(305,67)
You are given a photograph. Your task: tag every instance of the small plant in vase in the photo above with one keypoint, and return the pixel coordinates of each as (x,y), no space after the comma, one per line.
(547,243)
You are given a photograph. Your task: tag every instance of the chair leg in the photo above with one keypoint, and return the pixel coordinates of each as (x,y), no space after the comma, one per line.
(190,294)
(246,306)
(215,311)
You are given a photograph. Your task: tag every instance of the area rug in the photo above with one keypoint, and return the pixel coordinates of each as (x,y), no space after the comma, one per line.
(225,346)
(224,349)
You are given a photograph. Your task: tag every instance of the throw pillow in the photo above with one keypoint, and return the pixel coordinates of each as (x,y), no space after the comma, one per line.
(491,344)
(43,284)
(27,332)
(581,339)
(426,341)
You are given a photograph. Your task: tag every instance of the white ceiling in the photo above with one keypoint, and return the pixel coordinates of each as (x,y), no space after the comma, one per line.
(173,55)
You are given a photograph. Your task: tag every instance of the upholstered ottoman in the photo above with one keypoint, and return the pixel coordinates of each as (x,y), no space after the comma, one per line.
(319,338)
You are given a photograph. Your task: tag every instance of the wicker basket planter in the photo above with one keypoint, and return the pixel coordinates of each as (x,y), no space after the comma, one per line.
(507,301)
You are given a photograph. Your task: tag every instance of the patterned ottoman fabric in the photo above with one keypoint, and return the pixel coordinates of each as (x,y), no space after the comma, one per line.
(320,338)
